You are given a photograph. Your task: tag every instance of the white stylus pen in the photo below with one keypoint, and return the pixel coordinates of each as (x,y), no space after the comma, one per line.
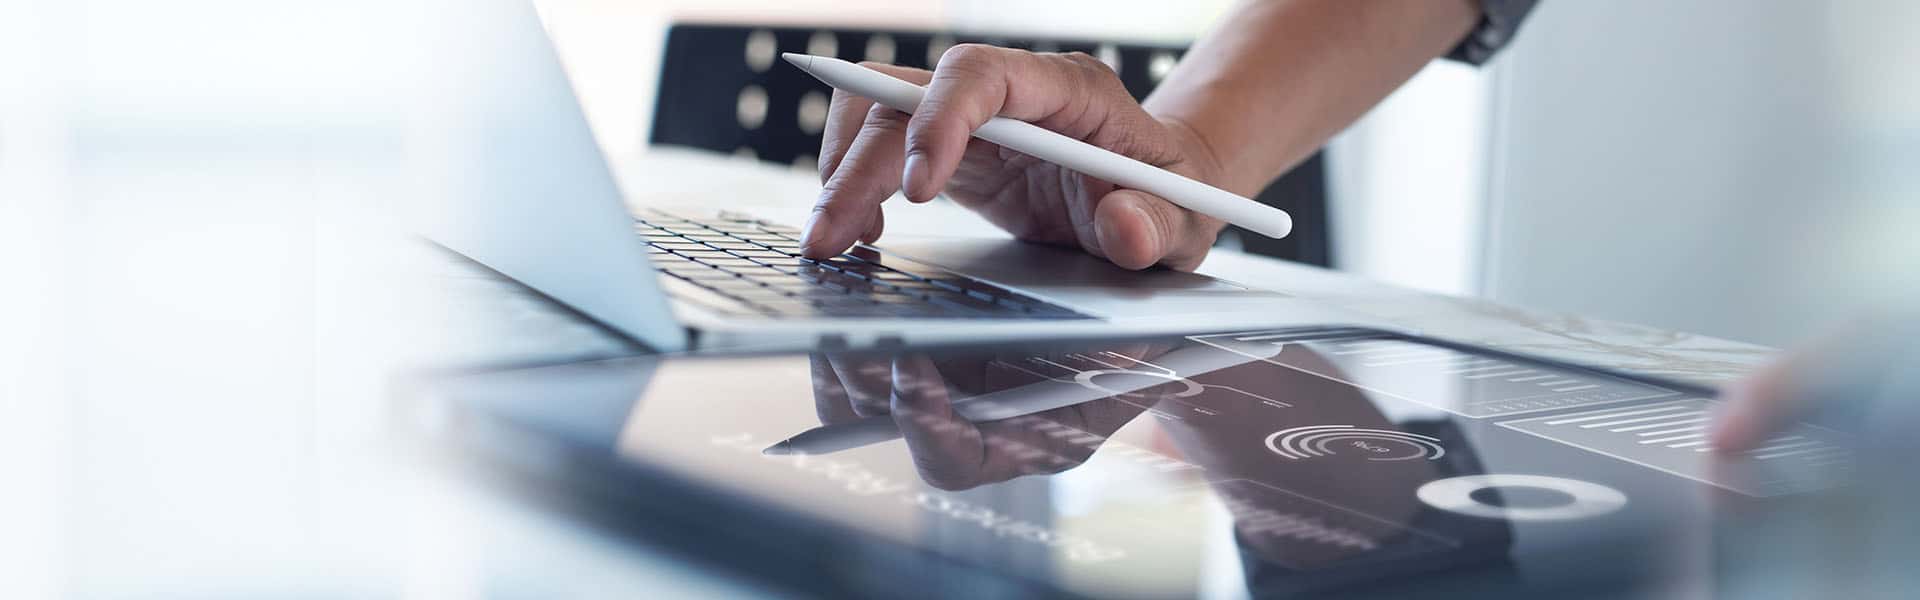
(1059,149)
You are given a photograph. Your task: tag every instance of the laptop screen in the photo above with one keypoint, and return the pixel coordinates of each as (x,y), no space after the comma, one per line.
(1255,463)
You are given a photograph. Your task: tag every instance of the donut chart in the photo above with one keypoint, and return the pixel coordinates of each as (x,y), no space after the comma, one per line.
(1585,498)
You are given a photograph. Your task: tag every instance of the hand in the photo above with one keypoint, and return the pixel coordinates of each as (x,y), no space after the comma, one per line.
(872,151)
(950,452)
(1860,378)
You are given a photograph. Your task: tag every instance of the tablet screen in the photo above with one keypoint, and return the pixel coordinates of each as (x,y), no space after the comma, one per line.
(1249,463)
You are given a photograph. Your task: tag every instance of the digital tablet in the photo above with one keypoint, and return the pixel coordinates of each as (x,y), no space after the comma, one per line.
(1331,460)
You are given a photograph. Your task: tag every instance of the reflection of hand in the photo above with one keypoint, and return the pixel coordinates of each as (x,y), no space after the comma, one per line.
(1868,367)
(949,451)
(870,150)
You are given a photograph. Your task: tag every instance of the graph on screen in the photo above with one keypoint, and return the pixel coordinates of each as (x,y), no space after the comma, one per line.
(1463,383)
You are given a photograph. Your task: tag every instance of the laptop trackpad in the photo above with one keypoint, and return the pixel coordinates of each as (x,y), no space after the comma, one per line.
(1066,274)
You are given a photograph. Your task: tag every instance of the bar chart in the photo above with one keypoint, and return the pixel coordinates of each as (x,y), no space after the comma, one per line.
(1672,437)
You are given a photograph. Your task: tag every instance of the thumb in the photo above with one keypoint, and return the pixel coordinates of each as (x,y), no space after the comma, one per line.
(1137,230)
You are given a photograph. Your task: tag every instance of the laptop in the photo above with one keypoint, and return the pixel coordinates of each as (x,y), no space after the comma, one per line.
(513,179)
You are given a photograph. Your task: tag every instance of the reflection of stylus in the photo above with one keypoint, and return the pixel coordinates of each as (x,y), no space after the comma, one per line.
(1040,396)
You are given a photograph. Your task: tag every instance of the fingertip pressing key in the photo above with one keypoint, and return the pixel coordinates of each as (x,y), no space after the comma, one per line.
(814,236)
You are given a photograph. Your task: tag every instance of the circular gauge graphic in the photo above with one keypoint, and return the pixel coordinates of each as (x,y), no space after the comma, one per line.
(1576,499)
(1132,383)
(1375,444)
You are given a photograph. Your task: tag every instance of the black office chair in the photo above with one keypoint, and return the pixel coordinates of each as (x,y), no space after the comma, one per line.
(721,89)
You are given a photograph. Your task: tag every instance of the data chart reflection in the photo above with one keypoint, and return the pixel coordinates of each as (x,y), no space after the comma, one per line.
(1270,463)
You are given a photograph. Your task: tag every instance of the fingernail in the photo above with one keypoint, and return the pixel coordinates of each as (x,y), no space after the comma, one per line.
(913,177)
(1153,232)
(813,232)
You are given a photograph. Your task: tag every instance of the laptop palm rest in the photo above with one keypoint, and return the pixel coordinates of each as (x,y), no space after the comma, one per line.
(1072,277)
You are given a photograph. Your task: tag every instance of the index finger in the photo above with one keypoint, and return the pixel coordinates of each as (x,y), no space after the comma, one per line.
(974,83)
(846,111)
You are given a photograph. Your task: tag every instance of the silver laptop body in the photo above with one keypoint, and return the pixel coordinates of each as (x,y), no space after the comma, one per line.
(511,177)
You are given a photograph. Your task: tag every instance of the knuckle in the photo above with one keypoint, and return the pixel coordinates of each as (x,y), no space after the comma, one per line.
(847,189)
(961,54)
(884,118)
(925,127)
(970,63)
(1089,71)
(825,166)
(1085,60)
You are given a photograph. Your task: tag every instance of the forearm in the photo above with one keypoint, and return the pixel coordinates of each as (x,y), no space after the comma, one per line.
(1280,77)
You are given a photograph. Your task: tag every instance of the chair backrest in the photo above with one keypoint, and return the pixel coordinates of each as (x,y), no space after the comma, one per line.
(720,90)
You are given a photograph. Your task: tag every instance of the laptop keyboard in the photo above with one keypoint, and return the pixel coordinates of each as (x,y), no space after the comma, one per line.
(755,268)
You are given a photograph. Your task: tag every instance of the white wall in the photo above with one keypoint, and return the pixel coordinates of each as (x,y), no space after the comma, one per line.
(1739,168)
(1407,183)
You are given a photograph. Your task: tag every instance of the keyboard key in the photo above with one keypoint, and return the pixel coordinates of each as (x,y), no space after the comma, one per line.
(700,275)
(730,262)
(728,283)
(914,285)
(676,263)
(803,288)
(788,308)
(844,301)
(846,279)
(758,293)
(892,275)
(663,262)
(772,277)
(753,268)
(761,255)
(897,299)
(756,264)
